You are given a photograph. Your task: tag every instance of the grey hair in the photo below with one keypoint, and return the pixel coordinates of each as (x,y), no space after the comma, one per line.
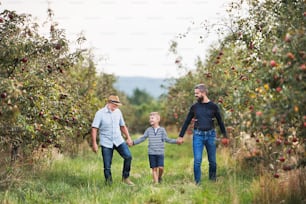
(202,88)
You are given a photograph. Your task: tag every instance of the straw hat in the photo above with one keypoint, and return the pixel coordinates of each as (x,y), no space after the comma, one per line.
(114,100)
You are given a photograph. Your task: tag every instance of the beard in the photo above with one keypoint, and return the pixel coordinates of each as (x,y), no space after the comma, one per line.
(200,99)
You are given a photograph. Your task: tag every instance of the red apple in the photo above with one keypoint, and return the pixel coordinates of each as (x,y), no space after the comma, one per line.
(274,50)
(251,45)
(278,141)
(52,28)
(282,159)
(24,60)
(286,168)
(276,175)
(4,95)
(272,63)
(225,141)
(258,113)
(58,46)
(287,37)
(290,55)
(11,16)
(55,117)
(278,89)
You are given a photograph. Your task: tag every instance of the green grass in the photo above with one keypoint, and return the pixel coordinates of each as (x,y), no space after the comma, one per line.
(81,180)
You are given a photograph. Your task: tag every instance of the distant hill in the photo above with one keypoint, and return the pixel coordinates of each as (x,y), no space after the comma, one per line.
(151,85)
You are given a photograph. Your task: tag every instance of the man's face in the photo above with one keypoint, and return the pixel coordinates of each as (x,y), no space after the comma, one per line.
(198,95)
(112,106)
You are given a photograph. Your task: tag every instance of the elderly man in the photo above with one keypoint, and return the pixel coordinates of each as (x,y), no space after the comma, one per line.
(110,123)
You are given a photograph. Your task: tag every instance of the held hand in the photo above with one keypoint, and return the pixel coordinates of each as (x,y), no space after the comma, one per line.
(129,142)
(180,140)
(225,141)
(95,147)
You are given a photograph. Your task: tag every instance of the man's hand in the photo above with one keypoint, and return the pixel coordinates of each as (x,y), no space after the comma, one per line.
(129,142)
(225,141)
(94,132)
(95,147)
(180,140)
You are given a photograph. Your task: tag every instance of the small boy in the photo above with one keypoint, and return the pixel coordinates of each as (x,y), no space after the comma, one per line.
(156,148)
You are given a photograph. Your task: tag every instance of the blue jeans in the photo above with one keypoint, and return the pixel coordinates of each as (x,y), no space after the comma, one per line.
(207,139)
(107,154)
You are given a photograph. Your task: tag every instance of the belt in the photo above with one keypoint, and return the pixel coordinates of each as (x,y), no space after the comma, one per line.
(203,130)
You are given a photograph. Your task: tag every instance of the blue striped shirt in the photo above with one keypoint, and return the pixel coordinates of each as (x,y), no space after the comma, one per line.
(157,140)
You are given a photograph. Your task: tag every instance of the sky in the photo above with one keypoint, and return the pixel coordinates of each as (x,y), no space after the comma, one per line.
(132,37)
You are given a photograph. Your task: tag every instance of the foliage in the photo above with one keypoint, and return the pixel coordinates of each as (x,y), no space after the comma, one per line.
(137,112)
(257,76)
(48,94)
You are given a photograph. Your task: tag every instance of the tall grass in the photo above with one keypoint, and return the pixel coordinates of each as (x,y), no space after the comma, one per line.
(81,180)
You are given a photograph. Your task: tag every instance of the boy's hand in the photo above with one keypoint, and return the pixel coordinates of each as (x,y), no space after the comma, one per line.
(179,141)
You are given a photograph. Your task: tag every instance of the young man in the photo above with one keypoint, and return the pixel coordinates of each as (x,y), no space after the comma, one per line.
(110,123)
(203,112)
(156,149)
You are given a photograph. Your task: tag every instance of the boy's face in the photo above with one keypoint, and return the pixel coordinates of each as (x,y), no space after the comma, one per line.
(153,120)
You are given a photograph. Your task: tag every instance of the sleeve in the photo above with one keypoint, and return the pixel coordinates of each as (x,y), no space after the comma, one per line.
(142,138)
(220,121)
(187,121)
(166,138)
(97,120)
(121,120)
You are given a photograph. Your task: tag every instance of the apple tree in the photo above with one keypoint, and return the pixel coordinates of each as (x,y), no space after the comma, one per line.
(48,93)
(256,74)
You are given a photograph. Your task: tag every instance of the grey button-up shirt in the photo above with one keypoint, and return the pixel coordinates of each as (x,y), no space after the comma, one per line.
(109,123)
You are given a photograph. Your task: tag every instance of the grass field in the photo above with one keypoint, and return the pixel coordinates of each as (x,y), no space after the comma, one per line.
(80,180)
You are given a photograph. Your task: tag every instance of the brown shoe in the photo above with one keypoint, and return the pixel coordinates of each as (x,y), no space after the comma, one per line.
(128,181)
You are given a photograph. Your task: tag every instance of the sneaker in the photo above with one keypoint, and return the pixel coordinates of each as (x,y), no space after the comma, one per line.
(128,181)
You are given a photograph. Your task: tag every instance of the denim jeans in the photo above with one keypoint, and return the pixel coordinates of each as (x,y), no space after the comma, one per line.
(107,154)
(207,139)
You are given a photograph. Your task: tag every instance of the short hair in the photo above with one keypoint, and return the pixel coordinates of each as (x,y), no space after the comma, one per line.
(202,88)
(155,114)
